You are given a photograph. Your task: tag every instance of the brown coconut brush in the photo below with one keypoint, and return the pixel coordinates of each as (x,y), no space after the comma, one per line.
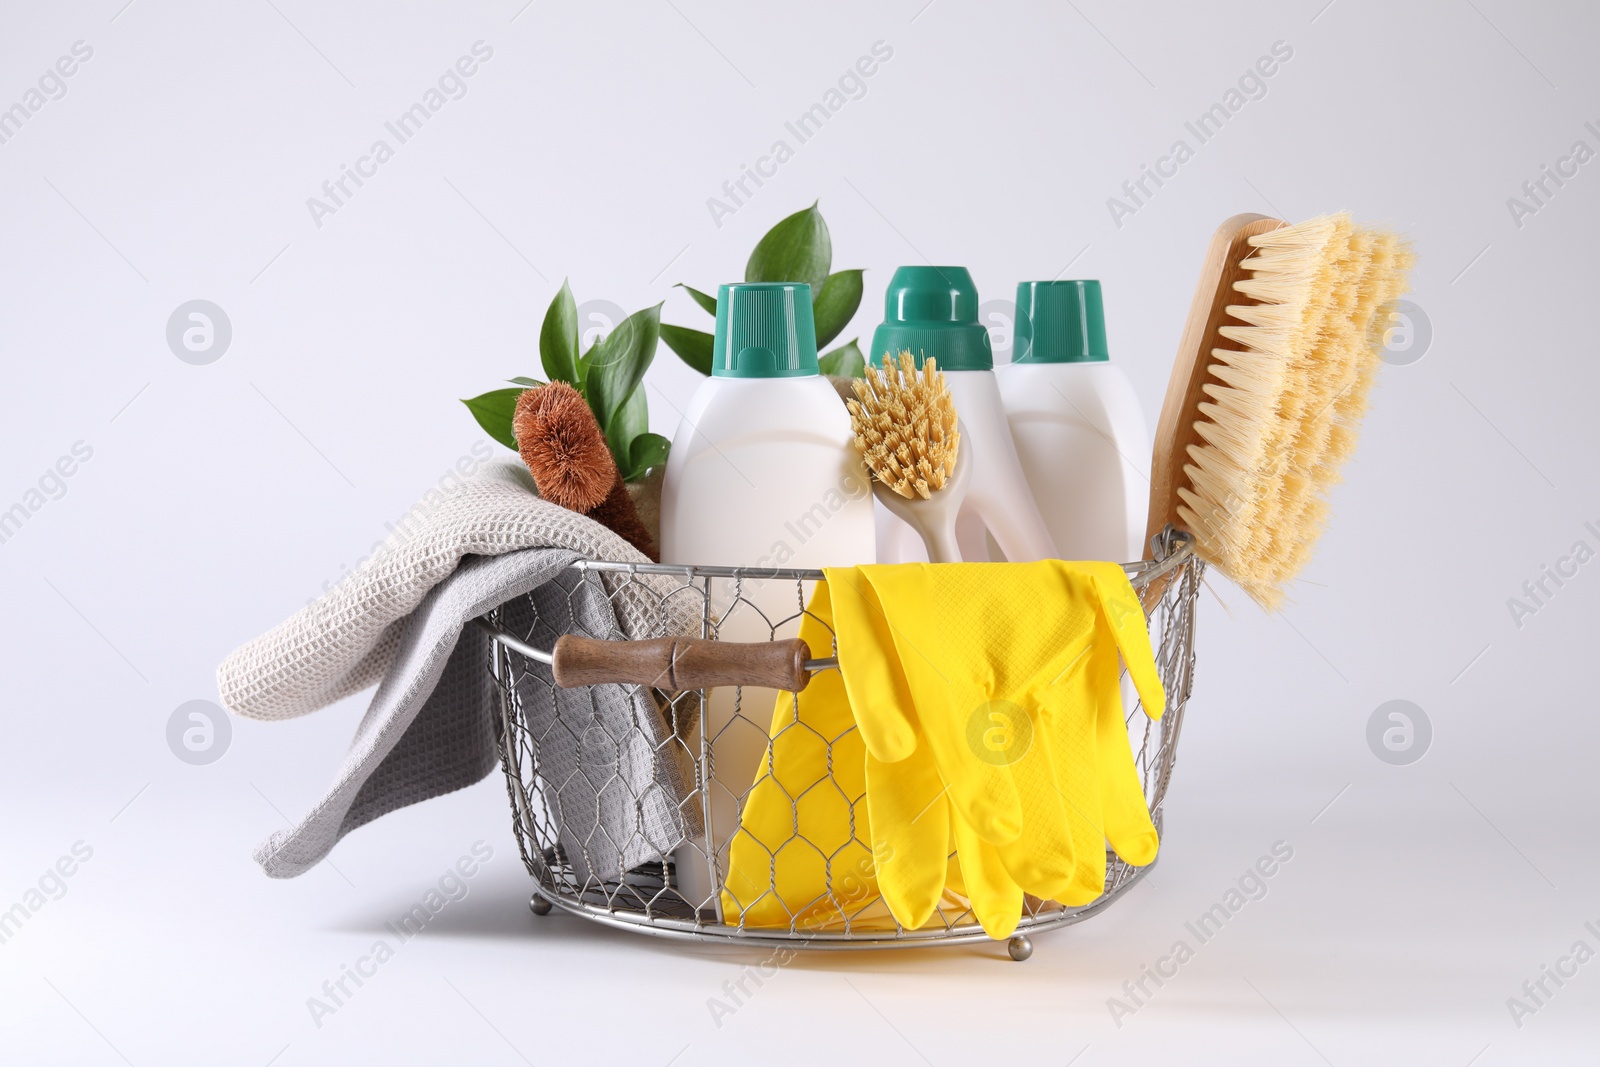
(566,453)
(905,426)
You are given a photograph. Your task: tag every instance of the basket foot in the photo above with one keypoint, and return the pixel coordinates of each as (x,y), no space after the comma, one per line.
(1020,948)
(538,905)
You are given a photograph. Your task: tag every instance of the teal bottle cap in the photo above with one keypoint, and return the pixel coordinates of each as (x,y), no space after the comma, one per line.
(764,330)
(933,311)
(1059,322)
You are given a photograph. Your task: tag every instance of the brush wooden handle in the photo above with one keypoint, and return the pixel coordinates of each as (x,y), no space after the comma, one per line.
(1175,433)
(677,663)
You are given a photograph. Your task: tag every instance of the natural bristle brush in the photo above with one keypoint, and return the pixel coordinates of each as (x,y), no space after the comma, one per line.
(1268,390)
(905,425)
(910,440)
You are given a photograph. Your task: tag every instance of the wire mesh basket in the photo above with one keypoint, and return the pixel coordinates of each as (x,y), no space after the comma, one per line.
(625,808)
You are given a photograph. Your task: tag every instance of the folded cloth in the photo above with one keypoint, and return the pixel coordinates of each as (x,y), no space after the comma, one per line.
(614,775)
(345,641)
(606,758)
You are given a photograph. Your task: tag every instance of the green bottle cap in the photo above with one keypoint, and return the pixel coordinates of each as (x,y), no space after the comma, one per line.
(764,330)
(933,311)
(1059,322)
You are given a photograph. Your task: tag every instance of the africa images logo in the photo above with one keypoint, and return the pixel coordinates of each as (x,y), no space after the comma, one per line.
(999,732)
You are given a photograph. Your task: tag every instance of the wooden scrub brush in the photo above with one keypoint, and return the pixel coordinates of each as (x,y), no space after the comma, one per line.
(566,453)
(910,440)
(1268,390)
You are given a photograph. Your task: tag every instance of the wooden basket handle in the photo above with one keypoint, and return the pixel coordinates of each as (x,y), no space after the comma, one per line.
(677,663)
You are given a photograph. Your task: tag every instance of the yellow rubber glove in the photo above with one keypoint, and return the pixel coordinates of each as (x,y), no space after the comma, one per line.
(1127,815)
(997,709)
(802,857)
(796,827)
(909,817)
(1104,796)
(905,798)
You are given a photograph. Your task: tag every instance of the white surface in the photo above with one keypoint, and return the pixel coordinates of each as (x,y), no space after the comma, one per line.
(220,498)
(1083,446)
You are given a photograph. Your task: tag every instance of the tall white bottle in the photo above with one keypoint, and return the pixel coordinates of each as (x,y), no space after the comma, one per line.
(1077,424)
(763,472)
(933,312)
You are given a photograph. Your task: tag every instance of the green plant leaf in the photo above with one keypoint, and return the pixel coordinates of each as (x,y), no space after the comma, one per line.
(586,361)
(617,366)
(845,361)
(526,383)
(694,347)
(648,450)
(836,303)
(797,249)
(494,410)
(631,420)
(709,303)
(558,338)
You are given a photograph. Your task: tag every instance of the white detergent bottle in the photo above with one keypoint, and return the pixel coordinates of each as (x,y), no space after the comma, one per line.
(763,472)
(932,312)
(1078,427)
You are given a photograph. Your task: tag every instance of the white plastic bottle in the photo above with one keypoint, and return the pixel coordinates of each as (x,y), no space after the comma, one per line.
(933,312)
(1077,424)
(763,472)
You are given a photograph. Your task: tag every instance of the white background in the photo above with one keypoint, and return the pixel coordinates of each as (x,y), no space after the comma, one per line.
(220,498)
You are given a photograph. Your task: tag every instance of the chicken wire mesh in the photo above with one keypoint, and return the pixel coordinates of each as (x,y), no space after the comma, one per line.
(625,809)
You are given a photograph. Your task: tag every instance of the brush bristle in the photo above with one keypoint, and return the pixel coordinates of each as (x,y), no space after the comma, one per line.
(1284,410)
(563,447)
(905,426)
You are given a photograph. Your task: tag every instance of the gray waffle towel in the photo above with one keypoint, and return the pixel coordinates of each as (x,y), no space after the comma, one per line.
(612,770)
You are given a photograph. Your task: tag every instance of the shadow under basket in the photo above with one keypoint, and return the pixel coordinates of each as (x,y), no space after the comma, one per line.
(618,808)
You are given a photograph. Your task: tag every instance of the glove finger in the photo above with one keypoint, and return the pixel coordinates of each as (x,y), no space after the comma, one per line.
(1125,615)
(952,708)
(973,739)
(910,820)
(1078,776)
(873,678)
(1122,804)
(1068,717)
(1043,858)
(996,899)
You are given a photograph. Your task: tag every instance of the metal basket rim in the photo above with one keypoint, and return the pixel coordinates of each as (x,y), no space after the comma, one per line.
(1178,546)
(833,940)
